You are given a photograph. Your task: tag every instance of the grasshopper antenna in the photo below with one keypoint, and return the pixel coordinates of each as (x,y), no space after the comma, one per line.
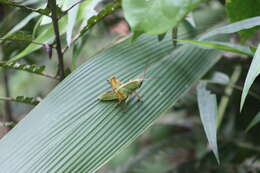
(145,72)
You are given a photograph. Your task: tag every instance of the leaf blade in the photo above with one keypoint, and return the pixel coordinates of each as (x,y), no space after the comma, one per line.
(233,27)
(255,121)
(93,132)
(208,113)
(20,25)
(235,48)
(253,72)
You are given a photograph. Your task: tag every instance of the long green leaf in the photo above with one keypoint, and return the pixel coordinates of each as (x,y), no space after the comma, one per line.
(19,36)
(253,72)
(72,131)
(72,15)
(229,47)
(20,25)
(208,114)
(255,121)
(233,27)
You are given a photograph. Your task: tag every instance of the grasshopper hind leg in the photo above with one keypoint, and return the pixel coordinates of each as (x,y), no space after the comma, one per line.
(139,98)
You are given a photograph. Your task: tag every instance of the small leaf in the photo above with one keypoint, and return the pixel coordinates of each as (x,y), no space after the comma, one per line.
(26,100)
(208,112)
(19,36)
(253,72)
(190,19)
(233,27)
(255,121)
(229,47)
(20,25)
(23,67)
(156,17)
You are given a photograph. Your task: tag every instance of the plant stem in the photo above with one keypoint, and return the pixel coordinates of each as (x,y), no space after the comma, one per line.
(48,76)
(7,106)
(80,1)
(53,7)
(228,91)
(10,99)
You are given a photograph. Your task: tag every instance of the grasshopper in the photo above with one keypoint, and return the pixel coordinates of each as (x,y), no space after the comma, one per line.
(122,92)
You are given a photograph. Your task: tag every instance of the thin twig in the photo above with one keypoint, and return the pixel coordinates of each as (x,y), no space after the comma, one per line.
(251,93)
(228,91)
(80,1)
(53,7)
(239,88)
(7,99)
(48,76)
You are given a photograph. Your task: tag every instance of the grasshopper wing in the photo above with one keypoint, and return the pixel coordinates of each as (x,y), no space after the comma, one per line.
(110,95)
(130,87)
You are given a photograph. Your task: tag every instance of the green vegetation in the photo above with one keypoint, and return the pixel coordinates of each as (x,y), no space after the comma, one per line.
(199,113)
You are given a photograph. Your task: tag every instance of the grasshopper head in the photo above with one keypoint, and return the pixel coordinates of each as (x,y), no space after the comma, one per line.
(139,82)
(114,82)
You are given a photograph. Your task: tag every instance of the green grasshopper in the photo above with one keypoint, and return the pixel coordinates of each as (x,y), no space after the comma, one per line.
(122,92)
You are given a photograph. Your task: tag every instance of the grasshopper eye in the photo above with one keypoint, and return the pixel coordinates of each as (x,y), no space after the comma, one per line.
(141,84)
